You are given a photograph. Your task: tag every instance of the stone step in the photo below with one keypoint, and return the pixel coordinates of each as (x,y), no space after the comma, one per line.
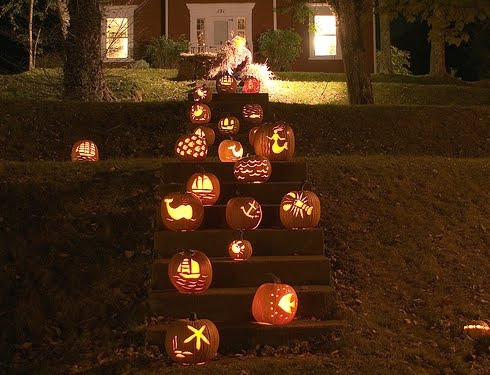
(292,270)
(266,193)
(247,335)
(285,171)
(235,304)
(264,241)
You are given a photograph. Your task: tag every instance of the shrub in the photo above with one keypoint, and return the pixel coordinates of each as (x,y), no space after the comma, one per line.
(280,47)
(400,60)
(165,53)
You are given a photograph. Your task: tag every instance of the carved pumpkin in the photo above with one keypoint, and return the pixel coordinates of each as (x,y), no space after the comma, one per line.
(182,211)
(253,113)
(206,186)
(251,135)
(240,249)
(228,125)
(84,150)
(274,303)
(191,147)
(230,151)
(243,213)
(477,329)
(199,113)
(207,133)
(300,209)
(202,94)
(191,341)
(251,85)
(275,141)
(255,169)
(190,271)
(226,84)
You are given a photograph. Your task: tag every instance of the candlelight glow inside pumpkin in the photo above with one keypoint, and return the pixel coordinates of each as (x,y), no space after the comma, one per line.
(182,211)
(240,249)
(207,133)
(85,150)
(251,85)
(206,186)
(230,151)
(300,209)
(226,84)
(254,169)
(190,271)
(202,94)
(477,329)
(274,303)
(253,113)
(275,141)
(191,147)
(243,213)
(228,125)
(200,113)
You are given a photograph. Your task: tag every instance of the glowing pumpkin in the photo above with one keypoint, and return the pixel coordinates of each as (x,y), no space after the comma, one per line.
(274,303)
(190,271)
(251,85)
(300,209)
(202,94)
(191,148)
(199,113)
(182,211)
(254,169)
(230,151)
(226,84)
(240,250)
(253,113)
(84,150)
(191,341)
(228,125)
(275,141)
(207,133)
(477,329)
(251,135)
(206,186)
(243,213)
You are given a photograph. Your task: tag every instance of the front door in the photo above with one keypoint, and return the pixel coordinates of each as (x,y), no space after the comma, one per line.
(220,32)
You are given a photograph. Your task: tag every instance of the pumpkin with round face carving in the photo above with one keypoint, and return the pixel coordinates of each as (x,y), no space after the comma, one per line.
(206,186)
(253,113)
(207,133)
(275,303)
(191,341)
(228,125)
(226,84)
(275,141)
(202,94)
(230,151)
(251,85)
(243,213)
(240,250)
(190,272)
(476,329)
(191,148)
(199,113)
(299,210)
(253,169)
(182,211)
(85,150)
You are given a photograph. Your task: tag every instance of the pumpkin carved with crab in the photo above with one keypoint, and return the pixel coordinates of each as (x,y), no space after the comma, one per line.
(253,169)
(243,213)
(274,303)
(191,341)
(84,150)
(476,329)
(228,125)
(251,85)
(191,148)
(182,211)
(190,271)
(199,113)
(230,151)
(206,186)
(240,250)
(253,113)
(299,210)
(275,141)
(207,133)
(226,84)
(202,94)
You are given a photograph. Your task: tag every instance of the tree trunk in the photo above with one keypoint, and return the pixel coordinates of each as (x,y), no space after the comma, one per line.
(351,30)
(62,7)
(83,74)
(30,37)
(438,43)
(385,62)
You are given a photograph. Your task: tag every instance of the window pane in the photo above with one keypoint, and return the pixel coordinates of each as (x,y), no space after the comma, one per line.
(325,45)
(201,35)
(117,38)
(325,25)
(241,24)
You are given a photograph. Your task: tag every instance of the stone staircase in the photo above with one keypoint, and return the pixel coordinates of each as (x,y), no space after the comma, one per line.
(297,257)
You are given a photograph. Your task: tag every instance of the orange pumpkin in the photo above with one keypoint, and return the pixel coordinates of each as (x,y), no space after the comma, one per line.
(299,210)
(191,148)
(202,94)
(228,125)
(476,329)
(226,84)
(275,141)
(255,169)
(243,213)
(253,113)
(182,211)
(192,341)
(230,151)
(206,186)
(240,249)
(251,135)
(85,150)
(251,85)
(199,113)
(190,271)
(274,303)
(207,133)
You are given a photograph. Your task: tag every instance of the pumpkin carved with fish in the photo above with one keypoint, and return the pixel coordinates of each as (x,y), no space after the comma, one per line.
(275,141)
(253,169)
(275,303)
(253,113)
(190,271)
(191,147)
(182,211)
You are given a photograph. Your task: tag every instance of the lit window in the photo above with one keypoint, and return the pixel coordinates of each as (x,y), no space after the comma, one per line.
(325,40)
(117,38)
(241,27)
(201,33)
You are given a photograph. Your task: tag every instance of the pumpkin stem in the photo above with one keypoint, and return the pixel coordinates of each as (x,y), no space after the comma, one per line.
(193,316)
(241,235)
(275,279)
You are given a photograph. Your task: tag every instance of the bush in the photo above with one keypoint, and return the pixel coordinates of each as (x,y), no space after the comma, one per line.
(281,48)
(400,60)
(165,53)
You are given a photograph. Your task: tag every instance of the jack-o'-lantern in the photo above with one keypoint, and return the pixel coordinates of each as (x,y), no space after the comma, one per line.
(254,169)
(182,211)
(275,141)
(240,249)
(190,271)
(476,329)
(253,113)
(251,85)
(299,210)
(275,303)
(207,133)
(202,94)
(191,341)
(199,113)
(228,125)
(84,150)
(191,148)
(230,151)
(206,186)
(251,135)
(226,84)
(243,213)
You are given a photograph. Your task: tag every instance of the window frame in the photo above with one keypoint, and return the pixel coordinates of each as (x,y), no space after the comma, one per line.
(322,9)
(119,11)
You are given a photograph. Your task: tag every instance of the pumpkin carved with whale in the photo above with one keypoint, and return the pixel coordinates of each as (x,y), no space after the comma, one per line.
(182,211)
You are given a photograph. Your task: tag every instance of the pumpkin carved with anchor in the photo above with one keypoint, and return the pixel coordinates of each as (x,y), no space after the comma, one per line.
(243,213)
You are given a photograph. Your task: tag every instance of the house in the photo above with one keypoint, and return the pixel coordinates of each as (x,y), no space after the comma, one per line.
(128,25)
